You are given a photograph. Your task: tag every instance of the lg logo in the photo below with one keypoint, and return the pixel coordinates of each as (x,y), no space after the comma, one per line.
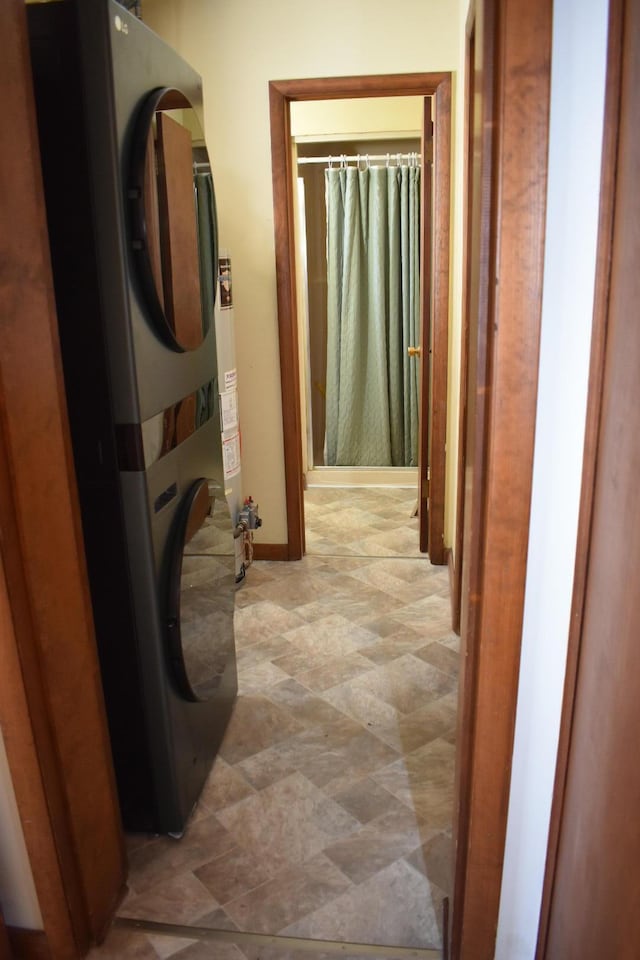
(121,26)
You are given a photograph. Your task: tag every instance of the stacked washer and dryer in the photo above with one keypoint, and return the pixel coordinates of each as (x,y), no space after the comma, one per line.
(131,215)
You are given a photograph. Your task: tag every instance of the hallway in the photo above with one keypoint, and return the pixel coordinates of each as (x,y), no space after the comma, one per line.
(328,812)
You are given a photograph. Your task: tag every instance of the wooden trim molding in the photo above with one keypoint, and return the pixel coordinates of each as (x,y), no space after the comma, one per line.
(592,429)
(281,94)
(287,320)
(426,309)
(379,85)
(29,944)
(458,549)
(513,41)
(51,707)
(270,551)
(439,316)
(451,569)
(5,946)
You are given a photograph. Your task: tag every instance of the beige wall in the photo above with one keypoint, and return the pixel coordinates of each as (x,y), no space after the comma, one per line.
(368,118)
(238,47)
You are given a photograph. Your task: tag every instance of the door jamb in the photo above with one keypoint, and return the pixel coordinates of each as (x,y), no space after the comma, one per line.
(458,545)
(594,408)
(51,708)
(281,94)
(513,138)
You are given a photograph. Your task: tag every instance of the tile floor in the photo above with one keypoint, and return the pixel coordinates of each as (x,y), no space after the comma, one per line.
(327,814)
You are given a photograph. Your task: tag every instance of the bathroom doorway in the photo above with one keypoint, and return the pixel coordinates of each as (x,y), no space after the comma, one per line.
(357,229)
(433,90)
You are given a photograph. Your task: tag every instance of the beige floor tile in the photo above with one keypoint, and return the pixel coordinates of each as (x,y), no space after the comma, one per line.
(225,785)
(391,907)
(337,768)
(334,671)
(442,657)
(267,649)
(256,723)
(163,857)
(233,874)
(183,899)
(168,946)
(256,678)
(303,702)
(289,592)
(292,893)
(331,636)
(298,661)
(265,768)
(437,718)
(357,702)
(435,860)
(365,800)
(127,944)
(287,822)
(262,620)
(287,953)
(382,576)
(207,950)
(328,811)
(382,841)
(402,640)
(424,781)
(406,683)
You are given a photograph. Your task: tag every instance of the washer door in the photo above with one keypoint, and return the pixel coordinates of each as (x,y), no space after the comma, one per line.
(172,219)
(201,592)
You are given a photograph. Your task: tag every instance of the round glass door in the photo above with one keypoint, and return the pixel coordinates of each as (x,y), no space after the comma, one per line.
(173,219)
(201,592)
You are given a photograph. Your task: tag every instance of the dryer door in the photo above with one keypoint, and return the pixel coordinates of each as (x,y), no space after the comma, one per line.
(201,592)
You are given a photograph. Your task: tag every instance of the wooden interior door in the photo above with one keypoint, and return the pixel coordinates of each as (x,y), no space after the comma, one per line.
(474,382)
(508,146)
(51,706)
(596,889)
(424,357)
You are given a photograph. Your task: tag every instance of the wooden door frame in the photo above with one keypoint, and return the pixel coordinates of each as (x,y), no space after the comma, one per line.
(51,708)
(456,555)
(513,44)
(495,549)
(281,94)
(592,430)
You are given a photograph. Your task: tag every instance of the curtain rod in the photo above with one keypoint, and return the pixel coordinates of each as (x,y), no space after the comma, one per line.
(341,159)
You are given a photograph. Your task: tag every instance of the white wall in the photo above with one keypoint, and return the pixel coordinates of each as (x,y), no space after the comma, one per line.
(577,98)
(238,46)
(17,891)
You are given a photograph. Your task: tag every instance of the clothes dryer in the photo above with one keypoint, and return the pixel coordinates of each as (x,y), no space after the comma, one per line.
(133,241)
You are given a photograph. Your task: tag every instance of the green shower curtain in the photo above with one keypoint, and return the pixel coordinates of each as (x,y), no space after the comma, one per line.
(207,225)
(373,263)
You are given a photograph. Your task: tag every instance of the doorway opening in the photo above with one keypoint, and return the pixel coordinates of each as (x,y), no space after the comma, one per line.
(357,238)
(334,787)
(434,92)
